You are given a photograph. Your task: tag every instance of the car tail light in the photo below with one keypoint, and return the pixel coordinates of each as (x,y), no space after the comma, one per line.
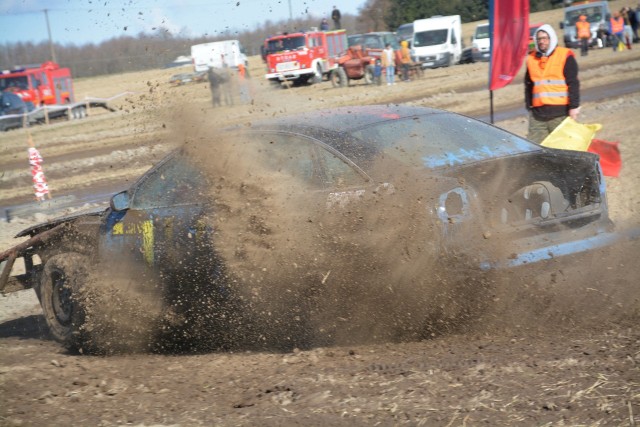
(453,206)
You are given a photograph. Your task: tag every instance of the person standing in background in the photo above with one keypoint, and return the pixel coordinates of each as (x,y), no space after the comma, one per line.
(388,59)
(214,87)
(634,16)
(551,85)
(584,34)
(405,58)
(228,84)
(616,29)
(626,13)
(336,16)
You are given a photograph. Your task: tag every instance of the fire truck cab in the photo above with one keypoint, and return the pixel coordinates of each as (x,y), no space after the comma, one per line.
(304,57)
(44,84)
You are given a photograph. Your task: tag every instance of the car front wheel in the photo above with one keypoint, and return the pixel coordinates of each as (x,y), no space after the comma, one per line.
(60,286)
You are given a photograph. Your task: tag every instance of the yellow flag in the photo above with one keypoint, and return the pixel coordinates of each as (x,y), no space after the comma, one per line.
(571,135)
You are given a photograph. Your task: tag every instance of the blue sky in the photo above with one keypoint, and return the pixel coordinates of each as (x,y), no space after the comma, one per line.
(93,21)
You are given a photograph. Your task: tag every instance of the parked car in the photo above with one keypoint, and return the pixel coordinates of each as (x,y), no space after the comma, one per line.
(307,212)
(12,109)
(374,43)
(184,78)
(481,43)
(405,32)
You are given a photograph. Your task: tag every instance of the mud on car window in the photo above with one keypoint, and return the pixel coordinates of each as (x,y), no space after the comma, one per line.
(291,156)
(177,181)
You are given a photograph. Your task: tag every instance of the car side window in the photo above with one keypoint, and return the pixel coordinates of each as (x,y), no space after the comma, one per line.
(337,173)
(300,160)
(176,182)
(288,157)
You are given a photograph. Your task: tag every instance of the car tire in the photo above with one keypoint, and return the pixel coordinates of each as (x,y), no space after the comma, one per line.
(450,62)
(339,77)
(368,74)
(62,279)
(317,76)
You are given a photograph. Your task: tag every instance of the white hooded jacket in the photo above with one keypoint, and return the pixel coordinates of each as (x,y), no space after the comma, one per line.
(553,39)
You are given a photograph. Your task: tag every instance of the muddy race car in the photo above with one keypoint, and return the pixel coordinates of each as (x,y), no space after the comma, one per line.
(311,225)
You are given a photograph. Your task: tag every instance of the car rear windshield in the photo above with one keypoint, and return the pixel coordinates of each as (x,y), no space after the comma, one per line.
(441,140)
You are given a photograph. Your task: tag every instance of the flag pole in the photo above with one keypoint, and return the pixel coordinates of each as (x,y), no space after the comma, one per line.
(491,104)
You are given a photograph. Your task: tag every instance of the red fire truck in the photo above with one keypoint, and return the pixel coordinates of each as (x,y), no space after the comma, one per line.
(306,57)
(44,84)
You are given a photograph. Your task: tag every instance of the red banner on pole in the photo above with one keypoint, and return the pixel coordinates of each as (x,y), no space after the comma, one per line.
(509,29)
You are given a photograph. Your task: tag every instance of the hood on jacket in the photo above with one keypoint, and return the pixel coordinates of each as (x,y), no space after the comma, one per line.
(553,39)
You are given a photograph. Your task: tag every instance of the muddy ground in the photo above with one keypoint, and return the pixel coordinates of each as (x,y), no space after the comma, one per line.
(556,345)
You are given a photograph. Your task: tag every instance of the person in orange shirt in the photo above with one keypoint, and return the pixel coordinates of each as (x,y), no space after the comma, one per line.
(405,55)
(616,29)
(552,88)
(583,29)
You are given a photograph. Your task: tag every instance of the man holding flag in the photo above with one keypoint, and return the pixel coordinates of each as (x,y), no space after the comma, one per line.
(552,88)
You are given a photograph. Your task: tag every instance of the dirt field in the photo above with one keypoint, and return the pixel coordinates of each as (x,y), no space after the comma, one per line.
(558,346)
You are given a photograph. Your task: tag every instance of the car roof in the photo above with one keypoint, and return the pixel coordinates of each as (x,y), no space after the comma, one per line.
(346,119)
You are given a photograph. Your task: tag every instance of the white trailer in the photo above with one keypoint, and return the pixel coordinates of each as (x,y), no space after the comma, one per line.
(437,41)
(217,54)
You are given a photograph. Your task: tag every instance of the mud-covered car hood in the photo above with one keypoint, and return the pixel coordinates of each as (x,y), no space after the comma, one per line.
(89,212)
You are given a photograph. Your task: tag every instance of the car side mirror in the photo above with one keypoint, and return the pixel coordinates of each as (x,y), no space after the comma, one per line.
(120,202)
(562,25)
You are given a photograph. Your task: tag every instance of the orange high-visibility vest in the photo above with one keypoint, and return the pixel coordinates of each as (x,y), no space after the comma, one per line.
(617,25)
(547,75)
(584,29)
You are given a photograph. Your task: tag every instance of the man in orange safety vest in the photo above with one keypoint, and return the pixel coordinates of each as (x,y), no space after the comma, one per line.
(552,88)
(616,29)
(583,29)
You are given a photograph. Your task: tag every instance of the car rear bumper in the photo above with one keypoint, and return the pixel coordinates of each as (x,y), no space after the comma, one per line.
(555,251)
(481,56)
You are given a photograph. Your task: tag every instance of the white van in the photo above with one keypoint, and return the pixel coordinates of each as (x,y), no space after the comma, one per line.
(217,54)
(437,41)
(481,43)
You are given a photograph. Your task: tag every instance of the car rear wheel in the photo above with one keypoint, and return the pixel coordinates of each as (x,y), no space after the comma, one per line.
(62,279)
(339,77)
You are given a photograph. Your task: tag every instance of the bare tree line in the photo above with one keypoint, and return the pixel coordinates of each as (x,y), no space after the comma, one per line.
(160,48)
(144,51)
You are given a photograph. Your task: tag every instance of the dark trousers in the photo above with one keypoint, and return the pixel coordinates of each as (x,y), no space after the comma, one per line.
(405,72)
(584,47)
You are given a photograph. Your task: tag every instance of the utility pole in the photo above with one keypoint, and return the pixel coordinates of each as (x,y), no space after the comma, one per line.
(53,53)
(290,17)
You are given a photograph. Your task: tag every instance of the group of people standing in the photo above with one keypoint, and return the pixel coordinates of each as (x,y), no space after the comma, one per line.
(621,31)
(226,82)
(552,87)
(390,58)
(623,27)
(336,16)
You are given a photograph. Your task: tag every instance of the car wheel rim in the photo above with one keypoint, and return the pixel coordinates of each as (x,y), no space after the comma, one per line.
(61,299)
